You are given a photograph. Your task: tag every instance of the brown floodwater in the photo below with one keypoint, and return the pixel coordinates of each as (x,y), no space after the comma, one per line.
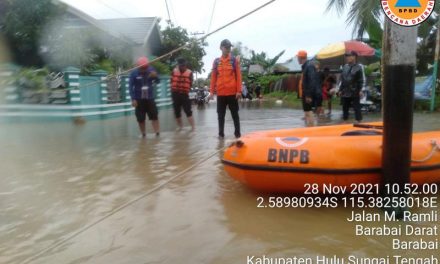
(96,193)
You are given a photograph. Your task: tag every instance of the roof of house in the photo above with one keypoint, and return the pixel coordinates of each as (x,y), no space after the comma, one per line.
(256,68)
(292,65)
(137,29)
(86,20)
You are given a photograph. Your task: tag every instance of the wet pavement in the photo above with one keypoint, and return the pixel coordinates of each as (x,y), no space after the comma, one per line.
(96,193)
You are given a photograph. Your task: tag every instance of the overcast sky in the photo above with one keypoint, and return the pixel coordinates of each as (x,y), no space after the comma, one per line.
(283,25)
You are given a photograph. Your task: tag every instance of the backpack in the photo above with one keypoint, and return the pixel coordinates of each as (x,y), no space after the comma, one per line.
(217,62)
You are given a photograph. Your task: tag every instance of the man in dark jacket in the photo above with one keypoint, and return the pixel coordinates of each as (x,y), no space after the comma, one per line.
(141,85)
(310,87)
(352,80)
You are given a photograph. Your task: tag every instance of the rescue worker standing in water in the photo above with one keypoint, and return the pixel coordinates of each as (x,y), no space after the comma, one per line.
(352,80)
(141,84)
(311,93)
(181,82)
(226,82)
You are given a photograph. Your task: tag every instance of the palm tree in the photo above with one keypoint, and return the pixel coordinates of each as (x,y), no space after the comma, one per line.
(250,57)
(263,60)
(363,14)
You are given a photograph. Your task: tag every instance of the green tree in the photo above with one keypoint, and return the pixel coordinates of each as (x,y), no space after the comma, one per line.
(263,60)
(243,52)
(361,13)
(201,82)
(70,47)
(175,37)
(21,23)
(249,57)
(240,50)
(365,16)
(86,48)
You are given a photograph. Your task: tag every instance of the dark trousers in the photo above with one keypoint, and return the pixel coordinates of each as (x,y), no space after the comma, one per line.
(180,101)
(146,106)
(222,102)
(355,103)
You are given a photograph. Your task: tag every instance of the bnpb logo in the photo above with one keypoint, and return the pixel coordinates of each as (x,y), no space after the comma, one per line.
(408,13)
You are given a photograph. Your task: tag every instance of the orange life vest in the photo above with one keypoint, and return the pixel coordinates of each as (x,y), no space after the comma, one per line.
(226,79)
(181,82)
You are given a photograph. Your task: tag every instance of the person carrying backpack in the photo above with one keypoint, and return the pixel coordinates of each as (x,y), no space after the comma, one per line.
(226,82)
(310,87)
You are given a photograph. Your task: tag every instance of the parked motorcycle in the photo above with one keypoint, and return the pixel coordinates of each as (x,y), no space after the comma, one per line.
(372,100)
(201,98)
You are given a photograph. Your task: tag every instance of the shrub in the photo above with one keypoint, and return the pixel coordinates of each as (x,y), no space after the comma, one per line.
(33,79)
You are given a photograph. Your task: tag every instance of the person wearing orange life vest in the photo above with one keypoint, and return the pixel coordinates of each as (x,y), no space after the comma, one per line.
(181,82)
(226,82)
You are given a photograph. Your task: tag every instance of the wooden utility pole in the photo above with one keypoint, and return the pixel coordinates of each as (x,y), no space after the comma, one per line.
(399,59)
(436,74)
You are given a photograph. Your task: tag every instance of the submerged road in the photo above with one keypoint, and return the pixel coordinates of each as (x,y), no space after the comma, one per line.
(96,193)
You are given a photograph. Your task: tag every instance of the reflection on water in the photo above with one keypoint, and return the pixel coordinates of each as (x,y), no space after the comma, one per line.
(4,58)
(58,179)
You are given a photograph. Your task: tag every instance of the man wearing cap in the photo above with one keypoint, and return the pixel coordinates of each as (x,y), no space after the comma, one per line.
(141,85)
(226,82)
(352,80)
(181,82)
(310,87)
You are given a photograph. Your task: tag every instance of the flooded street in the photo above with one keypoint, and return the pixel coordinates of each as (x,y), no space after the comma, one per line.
(96,193)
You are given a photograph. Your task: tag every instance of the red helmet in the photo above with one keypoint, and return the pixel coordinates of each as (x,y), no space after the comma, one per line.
(142,62)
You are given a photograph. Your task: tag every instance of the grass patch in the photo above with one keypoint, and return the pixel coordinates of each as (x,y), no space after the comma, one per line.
(425,105)
(291,99)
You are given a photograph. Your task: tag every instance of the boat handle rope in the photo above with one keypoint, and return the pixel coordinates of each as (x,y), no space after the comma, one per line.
(435,147)
(238,143)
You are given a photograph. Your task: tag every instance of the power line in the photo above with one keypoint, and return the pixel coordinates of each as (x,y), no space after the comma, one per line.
(184,46)
(111,8)
(237,19)
(168,10)
(205,36)
(212,15)
(194,34)
(172,11)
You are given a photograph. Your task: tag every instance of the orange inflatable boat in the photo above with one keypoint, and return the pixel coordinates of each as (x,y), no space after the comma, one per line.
(286,160)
